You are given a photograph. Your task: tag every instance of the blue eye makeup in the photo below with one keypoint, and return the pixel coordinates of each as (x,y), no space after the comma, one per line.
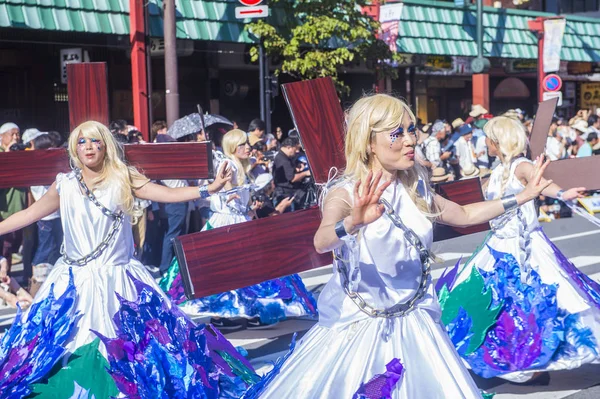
(410,131)
(81,141)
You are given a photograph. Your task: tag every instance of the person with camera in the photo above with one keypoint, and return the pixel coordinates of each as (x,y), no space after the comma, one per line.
(265,198)
(12,200)
(288,178)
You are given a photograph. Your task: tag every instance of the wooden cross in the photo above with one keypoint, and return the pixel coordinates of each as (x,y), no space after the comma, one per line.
(572,172)
(88,100)
(248,253)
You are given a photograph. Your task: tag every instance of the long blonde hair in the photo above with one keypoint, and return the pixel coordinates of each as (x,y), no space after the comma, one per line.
(114,170)
(510,136)
(370,115)
(231,140)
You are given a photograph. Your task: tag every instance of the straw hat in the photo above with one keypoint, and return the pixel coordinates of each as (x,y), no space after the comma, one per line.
(439,175)
(581,126)
(477,110)
(457,123)
(470,173)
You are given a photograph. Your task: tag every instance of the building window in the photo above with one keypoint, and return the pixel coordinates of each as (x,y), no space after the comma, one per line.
(575,6)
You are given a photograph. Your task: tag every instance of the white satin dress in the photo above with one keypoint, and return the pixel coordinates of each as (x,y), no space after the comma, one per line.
(98,282)
(347,348)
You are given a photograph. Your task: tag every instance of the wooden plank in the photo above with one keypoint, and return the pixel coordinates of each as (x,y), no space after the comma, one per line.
(88,93)
(463,192)
(541,126)
(319,119)
(157,161)
(572,172)
(248,253)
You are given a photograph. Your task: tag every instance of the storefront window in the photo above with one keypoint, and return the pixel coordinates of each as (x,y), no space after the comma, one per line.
(575,6)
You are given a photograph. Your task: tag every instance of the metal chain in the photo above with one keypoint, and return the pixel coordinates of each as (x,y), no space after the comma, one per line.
(116,225)
(402,308)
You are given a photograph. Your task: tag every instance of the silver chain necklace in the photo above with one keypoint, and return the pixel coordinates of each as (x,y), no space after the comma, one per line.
(116,225)
(402,308)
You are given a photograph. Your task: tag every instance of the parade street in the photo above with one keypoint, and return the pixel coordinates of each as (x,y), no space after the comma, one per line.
(578,239)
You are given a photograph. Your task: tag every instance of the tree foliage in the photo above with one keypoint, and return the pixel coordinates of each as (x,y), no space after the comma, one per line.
(318,38)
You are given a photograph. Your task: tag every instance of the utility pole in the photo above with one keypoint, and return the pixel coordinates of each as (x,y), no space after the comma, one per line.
(262,81)
(481,66)
(171,81)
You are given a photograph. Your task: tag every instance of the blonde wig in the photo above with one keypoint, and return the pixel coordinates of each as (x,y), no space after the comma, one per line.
(380,113)
(115,173)
(231,140)
(510,137)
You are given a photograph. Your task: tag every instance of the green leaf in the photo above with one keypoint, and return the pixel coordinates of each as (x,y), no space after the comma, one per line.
(87,367)
(316,38)
(475,299)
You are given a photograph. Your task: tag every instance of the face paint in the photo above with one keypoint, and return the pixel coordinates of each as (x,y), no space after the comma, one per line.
(410,132)
(98,144)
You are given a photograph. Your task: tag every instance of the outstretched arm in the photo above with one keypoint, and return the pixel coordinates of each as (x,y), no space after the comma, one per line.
(49,203)
(524,171)
(156,192)
(481,212)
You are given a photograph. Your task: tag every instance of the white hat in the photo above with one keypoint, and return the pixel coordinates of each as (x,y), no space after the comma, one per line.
(31,134)
(262,181)
(580,125)
(8,126)
(477,110)
(470,172)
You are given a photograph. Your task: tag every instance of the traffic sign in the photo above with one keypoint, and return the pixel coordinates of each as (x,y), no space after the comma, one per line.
(252,12)
(250,3)
(552,82)
(553,94)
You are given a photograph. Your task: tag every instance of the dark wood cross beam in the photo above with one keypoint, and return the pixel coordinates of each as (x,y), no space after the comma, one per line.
(88,100)
(572,172)
(248,253)
(156,161)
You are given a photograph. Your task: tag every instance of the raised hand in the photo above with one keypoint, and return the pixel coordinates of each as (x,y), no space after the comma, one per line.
(367,208)
(536,183)
(224,175)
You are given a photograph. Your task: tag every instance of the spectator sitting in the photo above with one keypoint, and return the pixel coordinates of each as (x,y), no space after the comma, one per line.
(11,292)
(256,131)
(287,179)
(159,128)
(439,175)
(594,124)
(469,173)
(259,163)
(432,147)
(464,148)
(30,135)
(586,150)
(265,196)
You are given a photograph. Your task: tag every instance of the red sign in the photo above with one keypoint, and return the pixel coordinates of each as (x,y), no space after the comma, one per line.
(250,3)
(552,82)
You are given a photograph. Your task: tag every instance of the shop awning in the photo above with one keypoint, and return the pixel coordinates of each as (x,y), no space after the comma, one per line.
(441,28)
(196,20)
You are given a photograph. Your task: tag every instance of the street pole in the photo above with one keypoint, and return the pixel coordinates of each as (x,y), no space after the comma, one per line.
(172,88)
(268,96)
(262,80)
(537,26)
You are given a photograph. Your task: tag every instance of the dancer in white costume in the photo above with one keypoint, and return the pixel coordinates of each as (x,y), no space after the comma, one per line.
(99,276)
(536,291)
(380,304)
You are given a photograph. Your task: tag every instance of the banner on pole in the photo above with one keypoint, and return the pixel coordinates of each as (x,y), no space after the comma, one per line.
(389,16)
(554,30)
